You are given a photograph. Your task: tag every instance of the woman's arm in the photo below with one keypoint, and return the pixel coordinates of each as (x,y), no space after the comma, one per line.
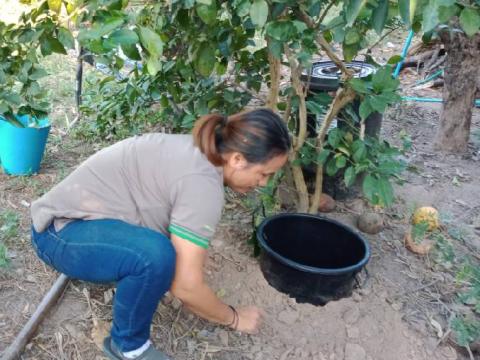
(189,286)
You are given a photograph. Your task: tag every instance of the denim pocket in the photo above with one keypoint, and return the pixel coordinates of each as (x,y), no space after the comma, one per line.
(44,245)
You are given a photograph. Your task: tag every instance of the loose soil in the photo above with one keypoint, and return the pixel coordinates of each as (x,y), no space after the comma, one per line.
(401,312)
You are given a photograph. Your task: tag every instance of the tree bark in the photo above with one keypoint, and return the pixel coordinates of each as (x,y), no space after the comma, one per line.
(462,71)
(275,76)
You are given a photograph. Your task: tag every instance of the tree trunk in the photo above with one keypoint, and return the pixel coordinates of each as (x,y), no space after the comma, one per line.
(462,70)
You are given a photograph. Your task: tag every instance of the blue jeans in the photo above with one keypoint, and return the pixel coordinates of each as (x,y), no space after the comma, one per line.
(141,261)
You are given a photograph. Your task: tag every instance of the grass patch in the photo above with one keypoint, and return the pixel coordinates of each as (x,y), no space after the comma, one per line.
(9,223)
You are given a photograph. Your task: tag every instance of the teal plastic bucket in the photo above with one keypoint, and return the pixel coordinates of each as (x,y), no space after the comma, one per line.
(21,149)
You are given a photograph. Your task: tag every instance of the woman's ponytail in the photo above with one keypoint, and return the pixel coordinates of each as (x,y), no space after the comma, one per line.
(205,136)
(258,135)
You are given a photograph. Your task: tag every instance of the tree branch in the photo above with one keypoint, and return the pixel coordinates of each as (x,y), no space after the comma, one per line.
(299,180)
(275,75)
(325,46)
(324,14)
(302,107)
(342,98)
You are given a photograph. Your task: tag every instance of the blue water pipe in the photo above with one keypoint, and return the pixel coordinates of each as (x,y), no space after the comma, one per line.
(408,41)
(433,100)
(406,46)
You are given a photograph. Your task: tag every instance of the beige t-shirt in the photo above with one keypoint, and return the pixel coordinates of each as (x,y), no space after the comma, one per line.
(158,181)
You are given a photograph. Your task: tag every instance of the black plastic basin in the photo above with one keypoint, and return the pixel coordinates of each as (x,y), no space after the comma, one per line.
(311,258)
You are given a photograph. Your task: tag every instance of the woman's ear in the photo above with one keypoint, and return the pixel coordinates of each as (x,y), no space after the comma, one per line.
(237,161)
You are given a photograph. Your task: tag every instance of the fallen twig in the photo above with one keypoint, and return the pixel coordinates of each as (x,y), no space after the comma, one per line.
(16,348)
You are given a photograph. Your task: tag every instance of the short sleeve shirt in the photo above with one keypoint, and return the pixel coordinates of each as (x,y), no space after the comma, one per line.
(159,181)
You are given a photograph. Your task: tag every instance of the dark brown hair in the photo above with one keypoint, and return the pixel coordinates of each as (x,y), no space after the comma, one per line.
(258,135)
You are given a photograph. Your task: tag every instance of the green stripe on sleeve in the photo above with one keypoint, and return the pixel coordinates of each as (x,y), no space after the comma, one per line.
(188,235)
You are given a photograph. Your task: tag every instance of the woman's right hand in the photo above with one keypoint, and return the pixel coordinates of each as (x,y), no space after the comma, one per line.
(249,319)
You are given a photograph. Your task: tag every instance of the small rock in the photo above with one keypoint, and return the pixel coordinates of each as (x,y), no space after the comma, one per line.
(288,317)
(354,352)
(223,336)
(176,304)
(191,346)
(397,306)
(370,223)
(205,335)
(353,332)
(217,243)
(326,203)
(357,206)
(356,297)
(351,316)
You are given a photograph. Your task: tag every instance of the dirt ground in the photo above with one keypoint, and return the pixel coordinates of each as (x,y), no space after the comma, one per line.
(400,313)
(395,316)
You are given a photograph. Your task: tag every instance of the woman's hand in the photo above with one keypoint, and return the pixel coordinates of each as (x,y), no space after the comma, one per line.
(249,319)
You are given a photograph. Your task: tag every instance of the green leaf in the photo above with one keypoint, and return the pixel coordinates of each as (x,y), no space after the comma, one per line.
(66,38)
(369,187)
(281,30)
(383,80)
(430,16)
(404,9)
(259,12)
(470,21)
(315,108)
(334,137)
(445,2)
(445,13)
(385,191)
(412,9)
(395,59)
(276,48)
(349,176)
(3,107)
(340,162)
(205,60)
(56,46)
(242,7)
(331,168)
(49,44)
(359,86)
(359,149)
(13,98)
(352,10)
(349,51)
(34,89)
(55,5)
(124,37)
(131,51)
(365,109)
(151,41)
(380,16)
(322,156)
(153,65)
(352,37)
(207,13)
(100,29)
(38,73)
(377,103)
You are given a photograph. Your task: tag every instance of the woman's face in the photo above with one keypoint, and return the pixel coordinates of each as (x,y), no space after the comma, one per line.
(243,177)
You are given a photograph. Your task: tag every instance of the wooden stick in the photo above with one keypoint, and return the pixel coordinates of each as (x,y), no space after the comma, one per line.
(23,337)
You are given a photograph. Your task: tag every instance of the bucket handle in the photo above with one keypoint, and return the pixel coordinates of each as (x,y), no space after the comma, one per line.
(361,284)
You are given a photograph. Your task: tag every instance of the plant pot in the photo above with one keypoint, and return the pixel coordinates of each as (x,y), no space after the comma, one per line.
(311,258)
(325,77)
(21,149)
